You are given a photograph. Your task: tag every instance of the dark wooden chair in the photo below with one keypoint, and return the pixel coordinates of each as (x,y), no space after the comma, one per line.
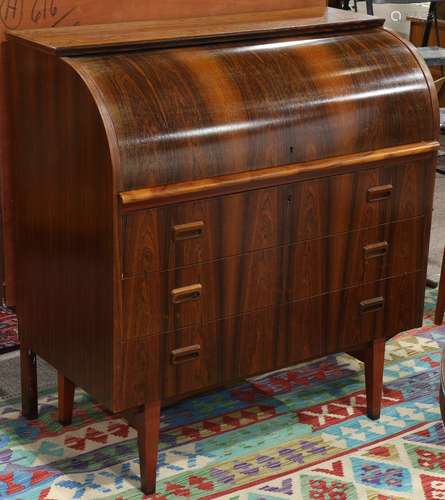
(440,307)
(442,387)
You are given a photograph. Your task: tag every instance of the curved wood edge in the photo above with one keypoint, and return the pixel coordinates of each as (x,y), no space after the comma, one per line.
(104,112)
(111,135)
(435,108)
(246,181)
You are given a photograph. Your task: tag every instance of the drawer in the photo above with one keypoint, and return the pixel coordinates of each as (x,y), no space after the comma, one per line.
(165,301)
(206,230)
(170,365)
(380,309)
(276,337)
(197,357)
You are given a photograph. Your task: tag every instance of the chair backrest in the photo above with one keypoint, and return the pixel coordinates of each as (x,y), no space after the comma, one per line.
(439,83)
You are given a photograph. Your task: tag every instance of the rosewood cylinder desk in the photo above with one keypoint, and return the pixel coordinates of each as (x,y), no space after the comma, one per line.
(206,200)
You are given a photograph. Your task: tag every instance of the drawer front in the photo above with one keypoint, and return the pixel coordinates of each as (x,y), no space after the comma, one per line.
(169,365)
(165,301)
(276,337)
(194,358)
(202,231)
(376,310)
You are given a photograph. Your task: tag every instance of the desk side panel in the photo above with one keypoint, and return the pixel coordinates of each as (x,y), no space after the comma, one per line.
(63,187)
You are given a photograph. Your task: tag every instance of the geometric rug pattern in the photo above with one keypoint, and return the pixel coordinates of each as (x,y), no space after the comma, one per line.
(300,433)
(8,331)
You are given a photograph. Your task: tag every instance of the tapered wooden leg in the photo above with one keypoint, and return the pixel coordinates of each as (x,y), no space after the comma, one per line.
(373,356)
(28,377)
(148,441)
(440,307)
(374,363)
(66,399)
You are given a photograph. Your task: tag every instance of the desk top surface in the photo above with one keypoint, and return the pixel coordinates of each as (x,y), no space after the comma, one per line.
(80,40)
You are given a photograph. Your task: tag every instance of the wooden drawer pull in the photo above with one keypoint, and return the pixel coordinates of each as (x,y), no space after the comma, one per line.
(372,305)
(375,250)
(378,193)
(185,354)
(186,293)
(188,231)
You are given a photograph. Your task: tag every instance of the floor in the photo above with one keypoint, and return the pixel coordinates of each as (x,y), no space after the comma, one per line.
(300,433)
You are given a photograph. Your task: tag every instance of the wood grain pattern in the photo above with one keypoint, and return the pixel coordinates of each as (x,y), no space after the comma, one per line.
(435,111)
(65,243)
(212,212)
(26,14)
(241,223)
(310,16)
(267,339)
(148,440)
(263,278)
(374,359)
(227,184)
(77,240)
(218,127)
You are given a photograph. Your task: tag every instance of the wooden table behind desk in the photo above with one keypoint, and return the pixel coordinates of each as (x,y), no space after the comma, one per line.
(417,28)
(23,14)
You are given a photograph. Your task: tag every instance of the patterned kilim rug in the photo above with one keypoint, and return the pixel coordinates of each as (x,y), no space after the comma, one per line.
(296,434)
(8,331)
